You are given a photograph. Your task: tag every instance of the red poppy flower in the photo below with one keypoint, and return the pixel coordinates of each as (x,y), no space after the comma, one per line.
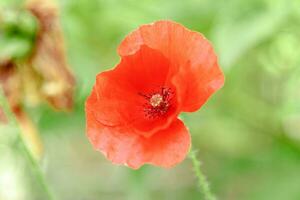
(132,112)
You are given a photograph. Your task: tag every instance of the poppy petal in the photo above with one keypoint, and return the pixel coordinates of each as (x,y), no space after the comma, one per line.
(165,148)
(204,84)
(198,75)
(122,146)
(118,97)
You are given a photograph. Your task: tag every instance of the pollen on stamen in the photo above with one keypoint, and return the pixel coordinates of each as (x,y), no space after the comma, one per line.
(156,100)
(157,103)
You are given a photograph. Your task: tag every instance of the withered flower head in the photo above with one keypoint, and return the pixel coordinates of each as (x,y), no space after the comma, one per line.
(49,68)
(43,75)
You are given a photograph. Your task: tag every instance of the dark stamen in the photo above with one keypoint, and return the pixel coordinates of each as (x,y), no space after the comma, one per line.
(158,103)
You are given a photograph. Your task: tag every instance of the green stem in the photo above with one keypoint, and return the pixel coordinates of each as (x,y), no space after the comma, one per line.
(35,165)
(37,170)
(202,181)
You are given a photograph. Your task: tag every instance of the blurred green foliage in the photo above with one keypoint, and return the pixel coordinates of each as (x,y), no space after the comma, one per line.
(248,134)
(17,33)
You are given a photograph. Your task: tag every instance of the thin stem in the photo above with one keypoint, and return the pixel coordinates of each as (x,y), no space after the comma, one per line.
(36,167)
(202,181)
(37,170)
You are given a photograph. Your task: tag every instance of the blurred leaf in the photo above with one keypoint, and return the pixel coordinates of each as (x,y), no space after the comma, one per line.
(14,48)
(17,33)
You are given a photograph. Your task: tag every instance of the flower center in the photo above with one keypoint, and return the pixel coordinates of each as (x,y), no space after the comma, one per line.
(156,100)
(158,103)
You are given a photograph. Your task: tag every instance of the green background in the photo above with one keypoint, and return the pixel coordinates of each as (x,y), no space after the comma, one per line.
(247,135)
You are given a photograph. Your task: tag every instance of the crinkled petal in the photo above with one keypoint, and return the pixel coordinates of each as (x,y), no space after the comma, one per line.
(194,63)
(122,145)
